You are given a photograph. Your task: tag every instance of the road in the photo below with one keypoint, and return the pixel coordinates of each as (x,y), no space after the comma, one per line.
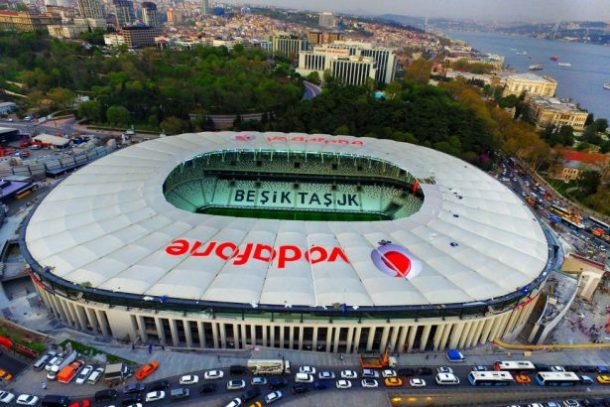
(311,90)
(11,364)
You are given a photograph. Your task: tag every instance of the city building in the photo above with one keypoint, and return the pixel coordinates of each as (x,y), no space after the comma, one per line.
(495,61)
(26,21)
(590,274)
(574,162)
(140,36)
(149,14)
(316,37)
(346,69)
(288,46)
(327,20)
(91,23)
(457,261)
(7,107)
(114,39)
(205,8)
(66,31)
(124,12)
(530,84)
(174,15)
(558,113)
(91,9)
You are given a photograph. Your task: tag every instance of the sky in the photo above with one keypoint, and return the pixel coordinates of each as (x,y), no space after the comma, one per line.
(500,10)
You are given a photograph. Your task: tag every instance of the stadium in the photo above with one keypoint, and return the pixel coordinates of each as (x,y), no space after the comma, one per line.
(296,241)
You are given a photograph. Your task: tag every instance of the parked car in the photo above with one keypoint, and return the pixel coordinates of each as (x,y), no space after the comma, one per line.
(303,378)
(321,385)
(370,373)
(258,381)
(307,369)
(417,382)
(82,377)
(299,388)
(370,383)
(158,385)
(326,375)
(343,384)
(106,394)
(147,370)
(349,374)
(154,396)
(213,374)
(234,403)
(388,373)
(180,393)
(273,397)
(238,369)
(236,384)
(189,379)
(406,372)
(251,393)
(96,375)
(27,400)
(6,397)
(133,388)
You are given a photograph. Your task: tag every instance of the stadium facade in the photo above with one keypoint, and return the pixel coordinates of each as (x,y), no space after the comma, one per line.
(334,243)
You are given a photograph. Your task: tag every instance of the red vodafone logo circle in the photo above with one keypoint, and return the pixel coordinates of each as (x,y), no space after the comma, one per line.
(395,260)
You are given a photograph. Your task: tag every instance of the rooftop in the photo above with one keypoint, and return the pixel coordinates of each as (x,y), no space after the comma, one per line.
(528,76)
(556,105)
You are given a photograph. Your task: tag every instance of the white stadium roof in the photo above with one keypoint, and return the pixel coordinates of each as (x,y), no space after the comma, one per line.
(109,225)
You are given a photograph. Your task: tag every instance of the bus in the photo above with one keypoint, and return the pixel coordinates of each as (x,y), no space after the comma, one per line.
(515,365)
(569,216)
(556,378)
(599,224)
(490,378)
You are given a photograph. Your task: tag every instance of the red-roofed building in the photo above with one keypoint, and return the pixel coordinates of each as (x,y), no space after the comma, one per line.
(576,161)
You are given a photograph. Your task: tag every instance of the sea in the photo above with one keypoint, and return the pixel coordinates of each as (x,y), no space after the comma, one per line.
(582,82)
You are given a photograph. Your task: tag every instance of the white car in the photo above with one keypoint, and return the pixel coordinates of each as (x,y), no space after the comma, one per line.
(325,374)
(371,373)
(571,403)
(370,383)
(349,374)
(81,378)
(258,381)
(447,379)
(213,374)
(444,369)
(273,397)
(189,379)
(236,384)
(27,400)
(134,405)
(96,375)
(343,384)
(155,396)
(303,378)
(416,382)
(558,369)
(388,373)
(6,397)
(307,369)
(234,403)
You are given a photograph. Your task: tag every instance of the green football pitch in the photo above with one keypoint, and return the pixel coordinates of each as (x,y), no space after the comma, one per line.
(293,214)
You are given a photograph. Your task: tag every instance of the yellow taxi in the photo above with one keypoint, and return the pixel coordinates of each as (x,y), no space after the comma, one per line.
(603,379)
(256,404)
(523,379)
(8,377)
(392,381)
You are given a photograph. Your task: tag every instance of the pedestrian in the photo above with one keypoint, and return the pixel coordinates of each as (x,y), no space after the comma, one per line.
(44,385)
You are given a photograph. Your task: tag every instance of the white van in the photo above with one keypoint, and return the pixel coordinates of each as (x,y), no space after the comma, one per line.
(95,376)
(447,379)
(55,361)
(303,378)
(43,360)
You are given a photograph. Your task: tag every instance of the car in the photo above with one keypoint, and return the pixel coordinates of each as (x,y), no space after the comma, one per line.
(106,394)
(586,380)
(343,384)
(603,378)
(590,402)
(588,369)
(6,397)
(136,404)
(236,384)
(534,405)
(154,396)
(213,374)
(303,378)
(603,369)
(158,385)
(132,401)
(147,370)
(82,377)
(423,371)
(417,382)
(446,379)
(82,403)
(43,360)
(7,377)
(273,397)
(299,388)
(307,369)
(234,403)
(369,383)
(522,379)
(258,381)
(326,375)
(134,388)
(277,383)
(238,370)
(444,369)
(189,379)
(388,373)
(406,372)
(256,404)
(553,404)
(208,388)
(27,400)
(370,373)
(95,376)
(180,393)
(557,368)
(480,368)
(349,374)
(251,393)
(392,382)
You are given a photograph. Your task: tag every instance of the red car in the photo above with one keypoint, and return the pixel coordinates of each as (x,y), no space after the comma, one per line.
(84,403)
(147,370)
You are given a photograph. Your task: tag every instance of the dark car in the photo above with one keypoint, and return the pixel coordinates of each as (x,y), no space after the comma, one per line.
(53,400)
(423,371)
(406,372)
(588,369)
(238,369)
(208,388)
(251,393)
(157,386)
(299,388)
(277,383)
(180,393)
(602,369)
(133,388)
(132,399)
(108,394)
(320,385)
(542,367)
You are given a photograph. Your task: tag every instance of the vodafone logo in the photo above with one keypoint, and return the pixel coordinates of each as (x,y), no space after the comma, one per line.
(244,137)
(395,260)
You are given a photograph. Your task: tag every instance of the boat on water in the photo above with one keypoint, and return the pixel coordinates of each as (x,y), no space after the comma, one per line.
(607,85)
(521,53)
(555,58)
(566,64)
(536,67)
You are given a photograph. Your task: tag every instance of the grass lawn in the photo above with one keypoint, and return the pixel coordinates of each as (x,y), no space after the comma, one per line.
(91,351)
(22,340)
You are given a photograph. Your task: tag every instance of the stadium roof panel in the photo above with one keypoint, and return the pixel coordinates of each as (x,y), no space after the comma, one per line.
(110,225)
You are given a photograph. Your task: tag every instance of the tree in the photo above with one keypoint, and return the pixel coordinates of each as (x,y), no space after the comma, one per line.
(601,125)
(62,98)
(118,115)
(342,130)
(91,110)
(314,77)
(565,136)
(588,182)
(419,71)
(173,125)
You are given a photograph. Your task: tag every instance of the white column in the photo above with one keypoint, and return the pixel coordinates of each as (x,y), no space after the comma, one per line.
(301,332)
(291,337)
(103,323)
(329,337)
(223,335)
(474,333)
(173,328)
(314,339)
(356,344)
(424,337)
(440,328)
(236,340)
(201,333)
(384,338)
(215,334)
(446,332)
(253,334)
(371,338)
(160,331)
(350,337)
(402,338)
(336,339)
(412,333)
(142,329)
(282,337)
(487,329)
(455,334)
(394,338)
(188,336)
(265,329)
(465,333)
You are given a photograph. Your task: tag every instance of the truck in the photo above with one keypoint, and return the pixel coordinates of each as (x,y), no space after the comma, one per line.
(376,361)
(116,373)
(269,366)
